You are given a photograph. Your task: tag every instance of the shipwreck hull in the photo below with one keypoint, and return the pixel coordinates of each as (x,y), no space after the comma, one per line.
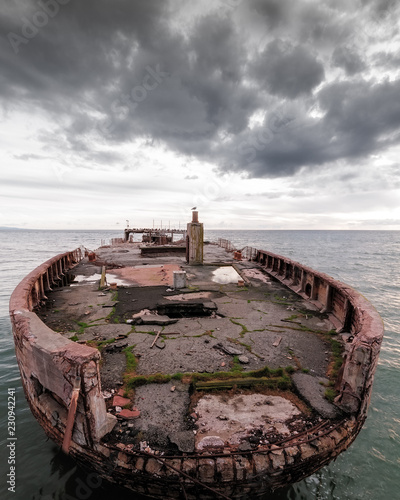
(50,366)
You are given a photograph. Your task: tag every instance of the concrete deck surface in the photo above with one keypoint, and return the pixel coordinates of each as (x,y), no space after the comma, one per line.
(253,326)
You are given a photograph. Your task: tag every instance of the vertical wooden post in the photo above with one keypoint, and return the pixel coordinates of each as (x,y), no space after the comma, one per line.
(103,280)
(71,415)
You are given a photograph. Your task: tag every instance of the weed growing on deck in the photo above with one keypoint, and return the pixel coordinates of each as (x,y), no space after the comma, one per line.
(244,328)
(274,379)
(131,361)
(208,333)
(330,394)
(99,344)
(82,327)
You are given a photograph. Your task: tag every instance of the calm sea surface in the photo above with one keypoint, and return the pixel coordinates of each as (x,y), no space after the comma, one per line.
(366,260)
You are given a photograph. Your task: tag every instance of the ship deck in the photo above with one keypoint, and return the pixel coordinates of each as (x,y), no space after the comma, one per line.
(215,365)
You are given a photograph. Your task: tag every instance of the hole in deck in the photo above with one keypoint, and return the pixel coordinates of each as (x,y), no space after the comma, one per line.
(186,309)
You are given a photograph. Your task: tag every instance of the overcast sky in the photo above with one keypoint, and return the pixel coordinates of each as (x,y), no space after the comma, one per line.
(265,114)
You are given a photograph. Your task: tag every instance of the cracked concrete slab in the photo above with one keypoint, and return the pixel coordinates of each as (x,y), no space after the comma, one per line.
(313,389)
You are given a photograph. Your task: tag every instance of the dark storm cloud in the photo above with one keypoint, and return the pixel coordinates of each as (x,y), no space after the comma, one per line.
(364,117)
(359,119)
(274,12)
(289,71)
(109,73)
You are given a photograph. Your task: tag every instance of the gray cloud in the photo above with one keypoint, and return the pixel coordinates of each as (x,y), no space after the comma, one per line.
(273,195)
(387,59)
(348,59)
(29,157)
(111,74)
(274,12)
(288,70)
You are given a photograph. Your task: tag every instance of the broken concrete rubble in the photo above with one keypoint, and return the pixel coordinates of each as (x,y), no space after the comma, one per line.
(185,440)
(228,349)
(312,389)
(129,414)
(153,319)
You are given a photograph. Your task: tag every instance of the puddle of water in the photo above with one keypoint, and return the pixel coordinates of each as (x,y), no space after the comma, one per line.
(111,278)
(80,278)
(226,274)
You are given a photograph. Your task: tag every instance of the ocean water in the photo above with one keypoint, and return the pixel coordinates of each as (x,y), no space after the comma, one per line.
(367,260)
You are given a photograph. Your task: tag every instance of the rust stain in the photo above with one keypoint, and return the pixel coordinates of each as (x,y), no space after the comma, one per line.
(149,276)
